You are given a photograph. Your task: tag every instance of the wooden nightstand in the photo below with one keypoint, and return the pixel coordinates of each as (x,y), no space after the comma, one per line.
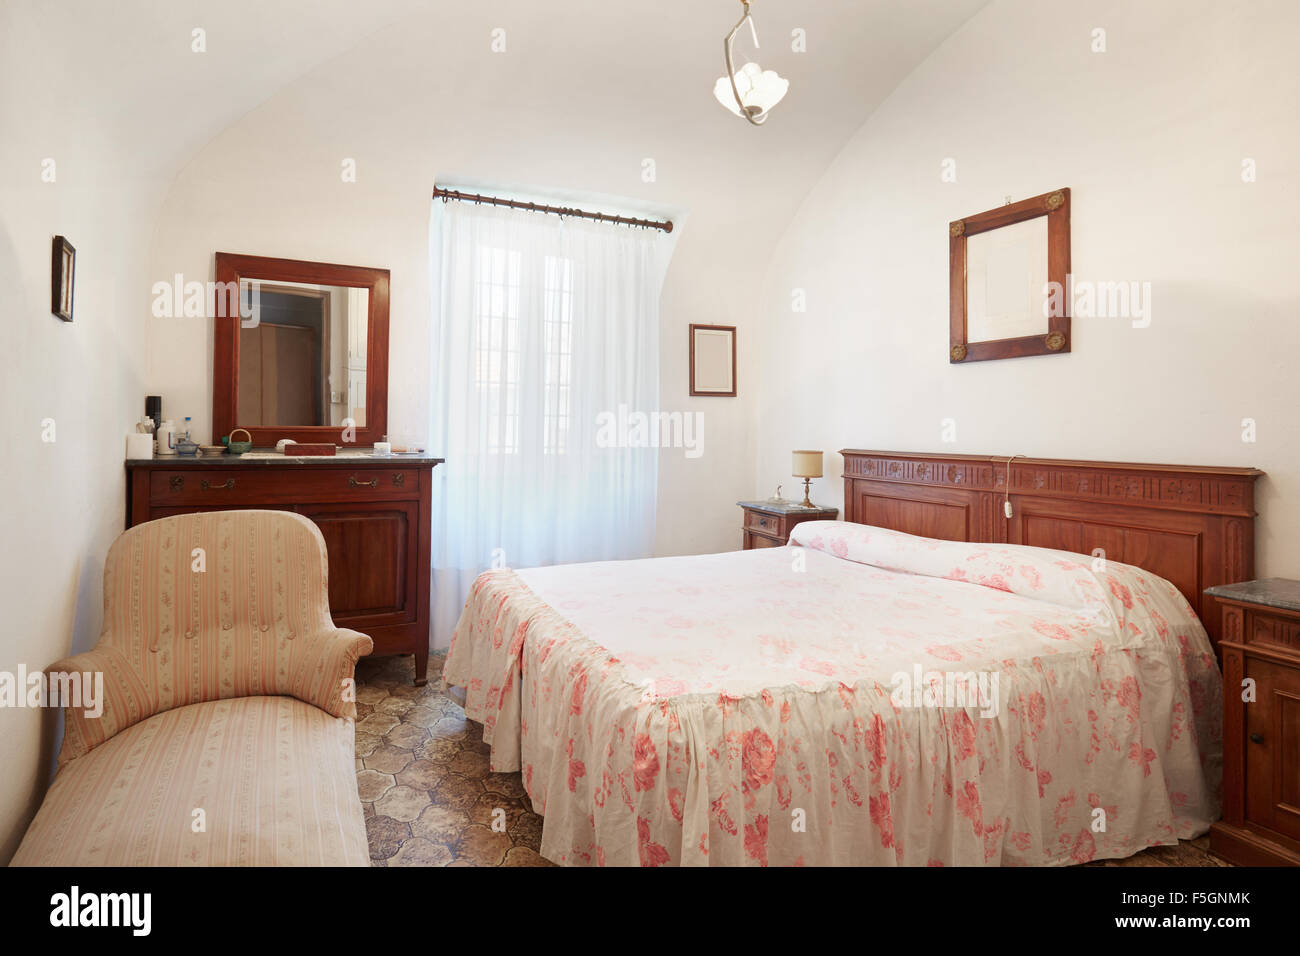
(769,526)
(1261,739)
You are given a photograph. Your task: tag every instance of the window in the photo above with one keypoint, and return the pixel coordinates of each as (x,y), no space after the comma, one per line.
(544,327)
(499,370)
(496,369)
(557,337)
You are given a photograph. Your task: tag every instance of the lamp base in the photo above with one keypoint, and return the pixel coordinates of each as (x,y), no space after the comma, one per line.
(807,502)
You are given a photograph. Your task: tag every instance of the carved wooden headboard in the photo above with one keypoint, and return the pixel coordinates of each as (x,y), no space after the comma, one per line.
(1193,526)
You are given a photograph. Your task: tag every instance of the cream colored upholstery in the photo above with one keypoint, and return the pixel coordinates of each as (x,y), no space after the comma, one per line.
(227,691)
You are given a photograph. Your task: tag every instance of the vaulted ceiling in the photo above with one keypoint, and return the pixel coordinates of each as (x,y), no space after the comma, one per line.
(125,77)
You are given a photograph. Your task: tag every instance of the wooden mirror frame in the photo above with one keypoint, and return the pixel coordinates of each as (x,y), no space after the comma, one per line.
(232,267)
(1056,207)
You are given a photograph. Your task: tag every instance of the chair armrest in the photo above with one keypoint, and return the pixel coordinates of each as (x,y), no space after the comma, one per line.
(325,669)
(121,699)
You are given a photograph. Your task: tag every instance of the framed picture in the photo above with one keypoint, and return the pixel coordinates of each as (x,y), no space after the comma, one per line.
(1007,276)
(713,360)
(63,274)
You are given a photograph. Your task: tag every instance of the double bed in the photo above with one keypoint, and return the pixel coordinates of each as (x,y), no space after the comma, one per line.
(871,695)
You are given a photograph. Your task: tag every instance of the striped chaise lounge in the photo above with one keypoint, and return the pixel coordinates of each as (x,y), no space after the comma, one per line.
(226,736)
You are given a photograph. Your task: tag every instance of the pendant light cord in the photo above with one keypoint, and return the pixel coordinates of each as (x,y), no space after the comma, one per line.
(731,69)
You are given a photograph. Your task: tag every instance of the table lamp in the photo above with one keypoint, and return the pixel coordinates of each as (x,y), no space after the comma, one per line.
(807,465)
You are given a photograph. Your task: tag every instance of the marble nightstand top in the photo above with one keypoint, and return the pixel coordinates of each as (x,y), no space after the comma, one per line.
(1268,592)
(789,508)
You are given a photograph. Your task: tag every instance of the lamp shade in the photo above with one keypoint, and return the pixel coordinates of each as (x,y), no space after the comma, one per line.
(757,87)
(807,464)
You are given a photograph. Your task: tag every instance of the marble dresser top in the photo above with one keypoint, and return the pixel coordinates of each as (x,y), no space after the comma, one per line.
(268,456)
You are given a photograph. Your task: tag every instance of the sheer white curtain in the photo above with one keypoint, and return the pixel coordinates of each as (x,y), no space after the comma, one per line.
(542,324)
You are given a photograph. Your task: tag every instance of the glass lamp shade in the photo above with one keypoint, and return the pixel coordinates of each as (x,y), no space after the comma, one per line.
(807,464)
(757,87)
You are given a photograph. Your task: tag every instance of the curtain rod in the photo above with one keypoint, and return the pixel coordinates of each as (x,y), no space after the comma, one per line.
(457,196)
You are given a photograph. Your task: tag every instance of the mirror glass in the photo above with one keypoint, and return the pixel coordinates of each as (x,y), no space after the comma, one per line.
(302,353)
(1006,282)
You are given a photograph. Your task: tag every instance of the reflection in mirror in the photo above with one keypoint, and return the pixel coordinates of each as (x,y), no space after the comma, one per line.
(1006,282)
(302,353)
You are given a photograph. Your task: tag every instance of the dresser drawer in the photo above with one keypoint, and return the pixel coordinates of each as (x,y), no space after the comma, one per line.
(1273,632)
(251,485)
(753,541)
(764,523)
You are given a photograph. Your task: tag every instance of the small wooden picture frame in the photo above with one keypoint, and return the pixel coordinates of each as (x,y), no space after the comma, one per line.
(1007,291)
(63,276)
(713,360)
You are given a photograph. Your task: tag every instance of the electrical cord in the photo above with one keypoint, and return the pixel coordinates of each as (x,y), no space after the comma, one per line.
(1006,488)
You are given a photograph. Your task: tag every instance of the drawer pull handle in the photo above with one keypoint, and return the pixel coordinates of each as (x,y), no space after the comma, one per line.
(1256,738)
(762,522)
(399,479)
(353,483)
(227,485)
(176,482)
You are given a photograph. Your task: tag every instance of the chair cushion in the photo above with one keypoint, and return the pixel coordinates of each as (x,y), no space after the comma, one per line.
(274,777)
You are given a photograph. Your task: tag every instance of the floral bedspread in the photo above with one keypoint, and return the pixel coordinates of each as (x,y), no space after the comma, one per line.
(859,697)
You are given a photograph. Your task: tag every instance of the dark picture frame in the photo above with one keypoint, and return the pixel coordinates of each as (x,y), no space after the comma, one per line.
(704,385)
(63,278)
(1055,339)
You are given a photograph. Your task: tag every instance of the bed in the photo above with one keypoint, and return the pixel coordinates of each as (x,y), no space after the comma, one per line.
(869,695)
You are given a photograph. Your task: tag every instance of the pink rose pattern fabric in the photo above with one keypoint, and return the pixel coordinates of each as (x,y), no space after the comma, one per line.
(737,709)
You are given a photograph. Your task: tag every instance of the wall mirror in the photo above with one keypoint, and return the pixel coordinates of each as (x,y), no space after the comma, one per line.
(306,355)
(1007,280)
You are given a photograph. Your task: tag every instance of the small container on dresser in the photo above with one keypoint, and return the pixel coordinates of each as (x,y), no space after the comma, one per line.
(768,525)
(1260,646)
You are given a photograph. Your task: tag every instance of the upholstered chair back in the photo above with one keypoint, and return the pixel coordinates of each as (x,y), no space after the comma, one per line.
(206,606)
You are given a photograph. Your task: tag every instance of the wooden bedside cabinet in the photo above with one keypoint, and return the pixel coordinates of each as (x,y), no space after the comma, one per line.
(769,525)
(1261,738)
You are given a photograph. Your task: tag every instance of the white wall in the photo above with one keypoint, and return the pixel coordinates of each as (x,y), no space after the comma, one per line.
(65,497)
(383,220)
(1150,137)
(564,108)
(122,95)
(117,97)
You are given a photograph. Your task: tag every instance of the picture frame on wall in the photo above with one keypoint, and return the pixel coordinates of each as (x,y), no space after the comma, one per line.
(1003,265)
(713,360)
(63,277)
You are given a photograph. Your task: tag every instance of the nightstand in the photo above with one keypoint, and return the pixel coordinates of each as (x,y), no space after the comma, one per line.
(1261,739)
(769,526)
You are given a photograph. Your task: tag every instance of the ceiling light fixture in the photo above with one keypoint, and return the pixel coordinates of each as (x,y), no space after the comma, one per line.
(750,91)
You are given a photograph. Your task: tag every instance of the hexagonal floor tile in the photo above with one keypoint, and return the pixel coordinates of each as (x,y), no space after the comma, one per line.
(402,803)
(386,836)
(389,760)
(483,847)
(371,785)
(418,852)
(440,824)
(428,795)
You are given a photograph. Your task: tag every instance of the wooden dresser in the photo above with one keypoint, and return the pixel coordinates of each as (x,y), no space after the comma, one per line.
(769,525)
(373,513)
(1260,642)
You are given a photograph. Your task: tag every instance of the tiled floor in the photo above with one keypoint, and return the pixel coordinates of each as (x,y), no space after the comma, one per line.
(429,799)
(422,772)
